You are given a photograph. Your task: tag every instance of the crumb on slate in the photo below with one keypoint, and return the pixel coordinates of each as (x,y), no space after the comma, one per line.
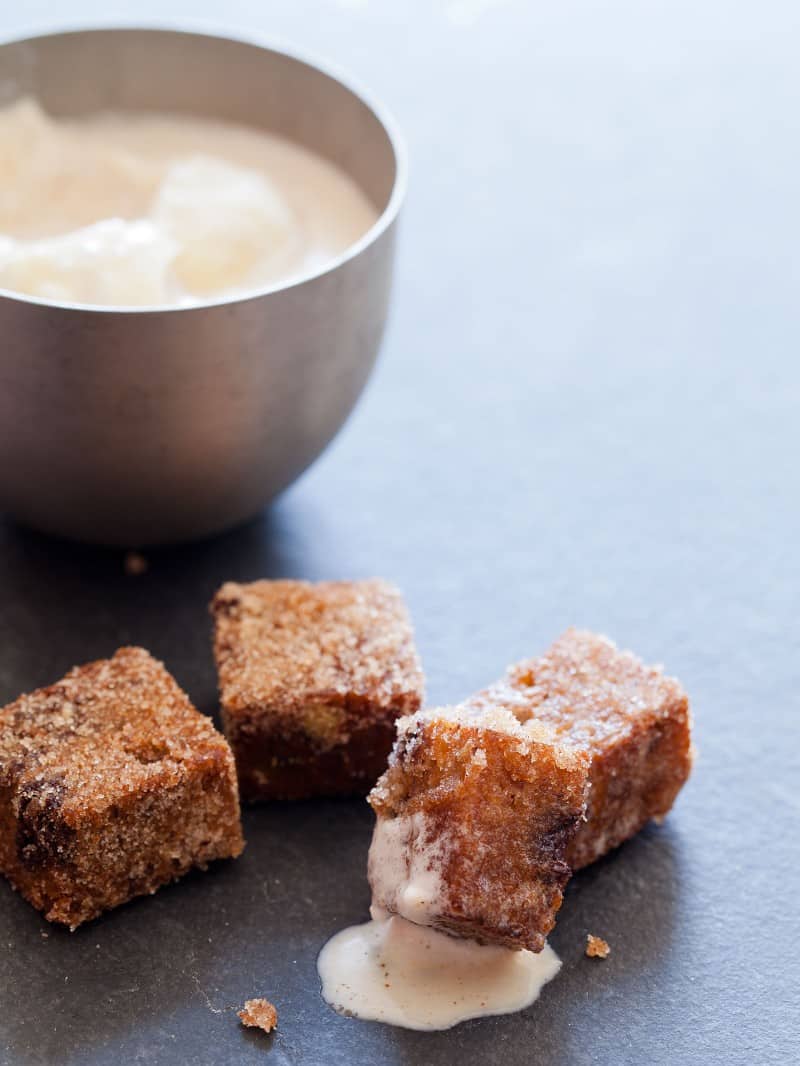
(259,1014)
(135,564)
(596,947)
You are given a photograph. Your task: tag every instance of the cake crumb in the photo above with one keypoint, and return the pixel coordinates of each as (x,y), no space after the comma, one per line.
(259,1014)
(135,564)
(596,947)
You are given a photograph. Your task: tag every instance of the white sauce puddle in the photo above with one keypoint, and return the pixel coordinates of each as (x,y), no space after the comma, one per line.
(390,970)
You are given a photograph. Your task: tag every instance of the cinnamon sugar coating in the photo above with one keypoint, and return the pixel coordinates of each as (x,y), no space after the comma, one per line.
(632,720)
(111,784)
(477,812)
(312,678)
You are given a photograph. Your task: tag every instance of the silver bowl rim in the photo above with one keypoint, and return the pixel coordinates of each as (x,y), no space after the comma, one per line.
(202,28)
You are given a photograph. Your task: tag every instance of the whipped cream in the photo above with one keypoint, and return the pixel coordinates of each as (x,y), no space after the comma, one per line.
(134,209)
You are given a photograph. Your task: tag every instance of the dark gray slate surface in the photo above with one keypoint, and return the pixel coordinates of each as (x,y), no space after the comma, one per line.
(587,411)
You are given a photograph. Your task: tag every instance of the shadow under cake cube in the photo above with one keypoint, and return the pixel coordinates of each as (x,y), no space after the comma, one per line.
(111,784)
(312,678)
(474,816)
(632,720)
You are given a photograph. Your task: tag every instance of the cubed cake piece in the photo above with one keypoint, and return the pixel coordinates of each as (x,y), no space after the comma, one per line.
(474,815)
(633,721)
(111,784)
(312,678)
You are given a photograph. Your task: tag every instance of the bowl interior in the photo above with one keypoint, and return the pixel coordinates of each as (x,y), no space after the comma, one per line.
(78,72)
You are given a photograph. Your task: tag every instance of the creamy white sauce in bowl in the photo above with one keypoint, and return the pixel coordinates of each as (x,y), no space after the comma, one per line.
(140,209)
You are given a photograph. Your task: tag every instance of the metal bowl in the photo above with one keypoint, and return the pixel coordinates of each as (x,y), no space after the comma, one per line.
(135,427)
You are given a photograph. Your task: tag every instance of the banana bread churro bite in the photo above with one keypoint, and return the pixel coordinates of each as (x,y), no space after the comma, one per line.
(111,784)
(633,722)
(474,816)
(486,807)
(312,678)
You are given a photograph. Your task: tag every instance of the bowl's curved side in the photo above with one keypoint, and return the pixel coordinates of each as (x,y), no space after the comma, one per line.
(180,425)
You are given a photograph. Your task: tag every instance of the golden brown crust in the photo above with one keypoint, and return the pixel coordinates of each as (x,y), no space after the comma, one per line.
(312,678)
(499,808)
(633,721)
(596,947)
(259,1014)
(111,784)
